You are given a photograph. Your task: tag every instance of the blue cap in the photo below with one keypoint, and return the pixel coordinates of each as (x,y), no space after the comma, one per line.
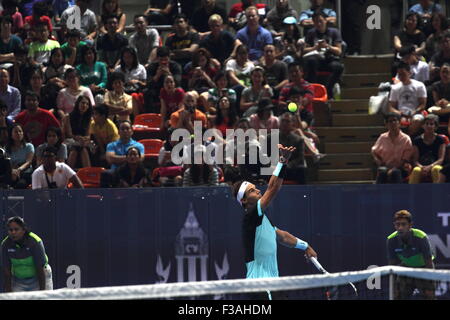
(290,20)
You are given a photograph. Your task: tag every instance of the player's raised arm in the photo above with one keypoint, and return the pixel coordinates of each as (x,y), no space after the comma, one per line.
(290,241)
(276,181)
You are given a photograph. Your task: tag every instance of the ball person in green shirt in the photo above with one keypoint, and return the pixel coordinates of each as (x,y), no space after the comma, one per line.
(25,264)
(409,247)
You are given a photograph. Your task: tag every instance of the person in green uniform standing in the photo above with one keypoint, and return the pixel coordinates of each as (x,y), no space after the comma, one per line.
(409,247)
(25,264)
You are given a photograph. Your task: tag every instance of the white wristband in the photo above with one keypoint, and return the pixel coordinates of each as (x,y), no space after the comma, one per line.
(302,245)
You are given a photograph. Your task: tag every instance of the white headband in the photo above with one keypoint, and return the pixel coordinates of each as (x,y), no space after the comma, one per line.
(241,192)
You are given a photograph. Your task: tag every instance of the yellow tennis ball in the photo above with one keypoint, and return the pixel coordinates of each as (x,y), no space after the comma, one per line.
(292,107)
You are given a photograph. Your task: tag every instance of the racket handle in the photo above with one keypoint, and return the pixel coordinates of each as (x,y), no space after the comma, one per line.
(317,264)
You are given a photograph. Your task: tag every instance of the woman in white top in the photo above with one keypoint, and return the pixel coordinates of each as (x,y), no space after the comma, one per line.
(67,96)
(238,69)
(135,73)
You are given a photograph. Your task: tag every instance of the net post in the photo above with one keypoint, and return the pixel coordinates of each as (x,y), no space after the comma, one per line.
(391,285)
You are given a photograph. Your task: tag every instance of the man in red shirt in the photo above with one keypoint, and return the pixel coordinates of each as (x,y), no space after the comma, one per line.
(35,120)
(295,71)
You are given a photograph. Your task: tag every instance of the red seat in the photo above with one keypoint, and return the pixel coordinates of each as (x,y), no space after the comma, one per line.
(90,176)
(320,92)
(151,147)
(148,122)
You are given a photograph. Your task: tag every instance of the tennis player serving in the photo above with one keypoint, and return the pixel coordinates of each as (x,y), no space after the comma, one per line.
(260,236)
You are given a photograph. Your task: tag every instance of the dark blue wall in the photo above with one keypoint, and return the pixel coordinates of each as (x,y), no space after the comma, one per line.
(115,236)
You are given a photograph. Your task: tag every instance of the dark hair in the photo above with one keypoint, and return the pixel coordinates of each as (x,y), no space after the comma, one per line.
(295,64)
(162,52)
(73,33)
(79,120)
(85,49)
(180,16)
(241,47)
(101,109)
(403,214)
(432,117)
(125,121)
(232,117)
(11,140)
(220,74)
(133,148)
(139,15)
(58,132)
(39,25)
(258,69)
(53,52)
(19,221)
(30,93)
(117,11)
(391,115)
(4,19)
(403,65)
(50,149)
(116,75)
(40,8)
(131,51)
(444,21)
(408,49)
(196,57)
(411,14)
(69,71)
(109,17)
(318,12)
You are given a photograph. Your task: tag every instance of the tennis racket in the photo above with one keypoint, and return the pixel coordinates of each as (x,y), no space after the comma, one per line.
(333,293)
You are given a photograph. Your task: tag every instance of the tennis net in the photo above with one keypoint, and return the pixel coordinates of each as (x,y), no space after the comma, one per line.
(382,283)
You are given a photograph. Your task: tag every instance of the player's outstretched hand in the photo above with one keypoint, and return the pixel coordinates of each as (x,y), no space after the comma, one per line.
(285,152)
(310,253)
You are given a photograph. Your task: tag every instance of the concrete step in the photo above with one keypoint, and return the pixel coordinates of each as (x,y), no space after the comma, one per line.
(345,174)
(347,161)
(343,182)
(347,147)
(359,93)
(367,64)
(364,80)
(357,120)
(350,106)
(349,134)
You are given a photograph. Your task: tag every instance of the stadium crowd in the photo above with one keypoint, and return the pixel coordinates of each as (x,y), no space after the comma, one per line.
(99,102)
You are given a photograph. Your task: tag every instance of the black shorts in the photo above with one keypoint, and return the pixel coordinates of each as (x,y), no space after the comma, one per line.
(405,286)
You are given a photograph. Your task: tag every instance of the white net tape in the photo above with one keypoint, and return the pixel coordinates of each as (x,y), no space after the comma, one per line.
(191,289)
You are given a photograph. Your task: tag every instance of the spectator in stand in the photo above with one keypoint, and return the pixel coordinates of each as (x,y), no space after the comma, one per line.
(237,17)
(322,52)
(109,45)
(303,118)
(52,174)
(188,114)
(76,130)
(26,7)
(112,8)
(288,45)
(219,42)
(119,103)
(238,69)
(408,99)
(9,95)
(226,117)
(145,40)
(103,131)
(168,174)
(425,9)
(254,36)
(264,118)
(172,99)
(200,18)
(40,50)
(9,42)
(68,96)
(56,68)
(72,48)
(10,8)
(275,17)
(59,6)
(183,42)
(34,120)
(155,77)
(296,80)
(93,73)
(258,90)
(429,152)
(220,89)
(439,25)
(392,152)
(411,35)
(306,16)
(22,67)
(135,73)
(419,69)
(158,12)
(200,174)
(88,20)
(276,71)
(35,83)
(132,174)
(201,70)
(21,153)
(5,122)
(441,96)
(116,153)
(441,57)
(53,138)
(40,15)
